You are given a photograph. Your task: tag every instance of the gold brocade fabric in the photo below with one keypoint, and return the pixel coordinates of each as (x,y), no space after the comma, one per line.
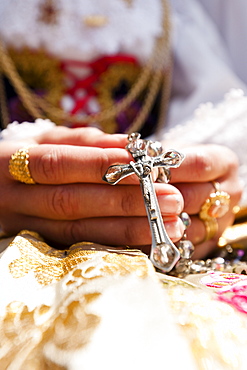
(94,306)
(63,325)
(50,265)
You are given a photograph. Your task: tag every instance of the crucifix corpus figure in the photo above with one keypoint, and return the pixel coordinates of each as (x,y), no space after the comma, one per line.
(147,155)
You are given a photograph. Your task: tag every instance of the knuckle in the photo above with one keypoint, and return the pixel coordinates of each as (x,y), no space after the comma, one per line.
(7,224)
(127,203)
(103,163)
(91,131)
(130,235)
(136,232)
(73,232)
(191,197)
(6,200)
(5,228)
(49,165)
(62,202)
(202,164)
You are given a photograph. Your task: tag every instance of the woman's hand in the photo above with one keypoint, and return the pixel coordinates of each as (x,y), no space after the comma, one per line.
(70,202)
(202,165)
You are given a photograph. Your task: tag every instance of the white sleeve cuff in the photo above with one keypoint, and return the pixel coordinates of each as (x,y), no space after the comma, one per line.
(16,131)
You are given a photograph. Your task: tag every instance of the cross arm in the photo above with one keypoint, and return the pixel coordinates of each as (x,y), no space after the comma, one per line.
(117,172)
(170,159)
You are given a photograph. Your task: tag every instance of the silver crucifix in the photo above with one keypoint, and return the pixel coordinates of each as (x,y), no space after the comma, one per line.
(147,155)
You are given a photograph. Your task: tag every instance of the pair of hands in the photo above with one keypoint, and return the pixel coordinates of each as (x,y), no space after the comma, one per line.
(71,202)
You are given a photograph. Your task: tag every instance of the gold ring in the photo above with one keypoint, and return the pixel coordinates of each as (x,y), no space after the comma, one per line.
(18,166)
(215,206)
(211,226)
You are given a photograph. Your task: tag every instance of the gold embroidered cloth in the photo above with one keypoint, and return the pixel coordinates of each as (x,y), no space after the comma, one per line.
(93,307)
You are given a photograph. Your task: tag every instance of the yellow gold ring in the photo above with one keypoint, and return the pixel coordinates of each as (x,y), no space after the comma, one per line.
(215,206)
(211,226)
(18,166)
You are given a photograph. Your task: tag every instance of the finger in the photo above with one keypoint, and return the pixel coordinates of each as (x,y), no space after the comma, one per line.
(205,163)
(63,164)
(195,194)
(131,231)
(76,201)
(196,233)
(84,136)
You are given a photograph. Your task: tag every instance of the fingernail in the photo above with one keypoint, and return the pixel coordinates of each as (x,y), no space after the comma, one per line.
(170,203)
(175,229)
